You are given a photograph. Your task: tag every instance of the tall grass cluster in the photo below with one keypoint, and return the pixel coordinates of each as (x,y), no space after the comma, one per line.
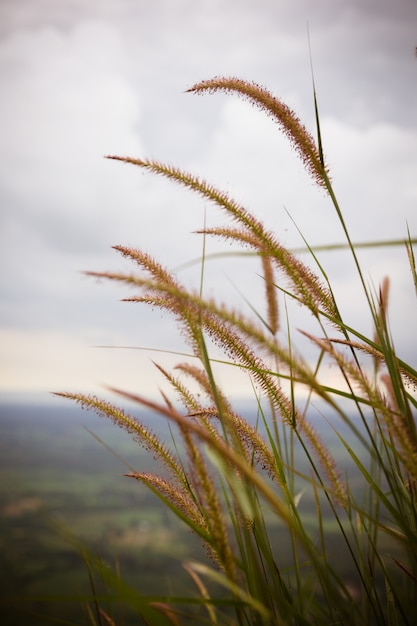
(239,483)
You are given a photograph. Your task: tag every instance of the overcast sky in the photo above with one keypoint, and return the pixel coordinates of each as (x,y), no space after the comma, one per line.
(80,79)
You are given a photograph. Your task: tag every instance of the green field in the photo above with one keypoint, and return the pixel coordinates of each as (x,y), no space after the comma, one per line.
(58,478)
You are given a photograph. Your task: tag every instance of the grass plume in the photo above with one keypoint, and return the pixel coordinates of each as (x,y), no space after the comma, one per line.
(239,482)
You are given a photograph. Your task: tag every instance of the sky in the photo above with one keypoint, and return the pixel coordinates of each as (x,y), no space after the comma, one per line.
(79,80)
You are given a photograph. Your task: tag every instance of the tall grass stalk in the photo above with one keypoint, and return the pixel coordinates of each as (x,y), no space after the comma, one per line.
(240,482)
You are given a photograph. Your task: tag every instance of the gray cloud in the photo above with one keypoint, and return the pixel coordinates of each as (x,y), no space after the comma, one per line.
(80,80)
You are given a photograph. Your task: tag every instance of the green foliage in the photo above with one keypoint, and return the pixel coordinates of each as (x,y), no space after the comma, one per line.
(237,480)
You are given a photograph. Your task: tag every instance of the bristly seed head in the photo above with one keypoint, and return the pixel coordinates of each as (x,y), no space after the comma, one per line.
(290,124)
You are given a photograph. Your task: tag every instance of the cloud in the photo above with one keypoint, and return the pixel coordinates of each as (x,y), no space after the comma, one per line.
(67,101)
(49,361)
(371,167)
(80,80)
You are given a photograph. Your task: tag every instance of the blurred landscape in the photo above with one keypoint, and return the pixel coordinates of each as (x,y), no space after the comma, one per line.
(52,467)
(57,476)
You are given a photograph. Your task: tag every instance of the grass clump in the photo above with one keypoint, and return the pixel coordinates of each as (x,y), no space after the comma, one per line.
(239,483)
